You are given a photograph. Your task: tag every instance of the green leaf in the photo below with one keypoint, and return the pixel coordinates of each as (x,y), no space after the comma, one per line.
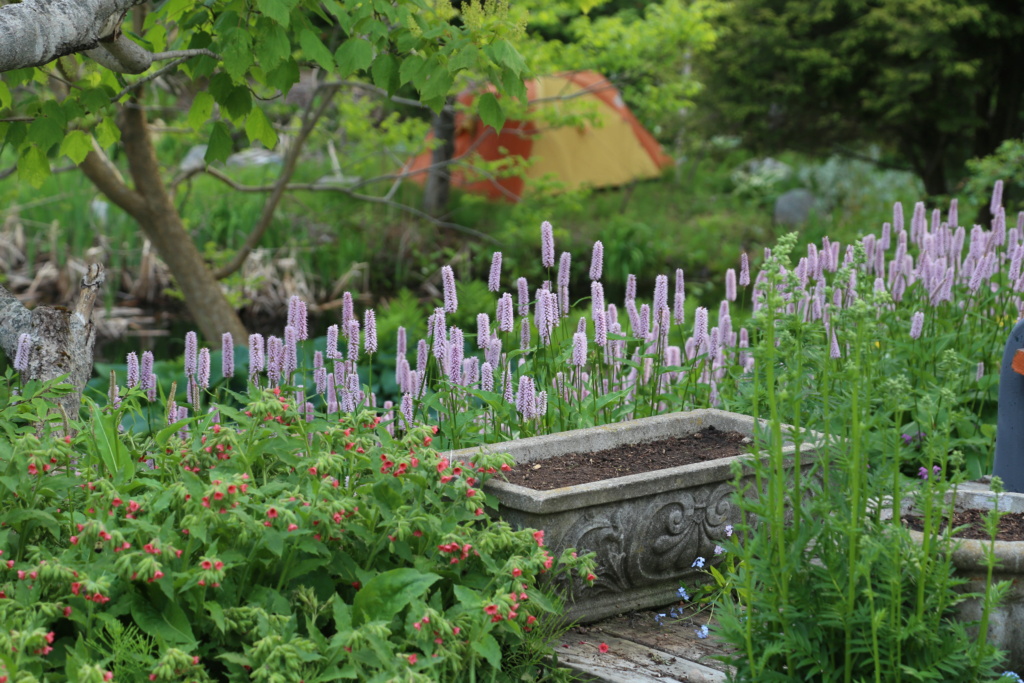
(95,99)
(490,111)
(284,75)
(436,87)
(257,127)
(236,52)
(412,70)
(354,55)
(45,519)
(217,614)
(162,619)
(33,166)
(385,73)
(314,49)
(276,10)
(490,650)
(342,615)
(238,103)
(272,45)
(45,132)
(503,54)
(107,133)
(464,58)
(388,593)
(111,451)
(220,147)
(5,95)
(76,145)
(201,110)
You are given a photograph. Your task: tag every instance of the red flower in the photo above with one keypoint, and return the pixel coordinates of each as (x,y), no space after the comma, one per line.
(412,660)
(539,536)
(602,648)
(272,513)
(491,609)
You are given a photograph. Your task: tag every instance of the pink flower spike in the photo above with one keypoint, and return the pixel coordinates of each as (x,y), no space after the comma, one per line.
(547,245)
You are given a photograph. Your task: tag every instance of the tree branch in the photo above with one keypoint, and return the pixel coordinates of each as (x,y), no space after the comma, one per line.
(179,57)
(373,199)
(36,32)
(105,176)
(309,120)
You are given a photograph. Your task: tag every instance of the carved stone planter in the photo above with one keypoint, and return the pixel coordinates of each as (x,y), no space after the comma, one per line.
(647,529)
(1006,621)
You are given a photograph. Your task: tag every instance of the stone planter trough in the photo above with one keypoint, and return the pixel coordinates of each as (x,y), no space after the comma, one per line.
(647,529)
(1006,621)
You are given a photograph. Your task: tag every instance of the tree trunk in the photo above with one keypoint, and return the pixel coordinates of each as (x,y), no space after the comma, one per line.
(151,206)
(62,340)
(439,181)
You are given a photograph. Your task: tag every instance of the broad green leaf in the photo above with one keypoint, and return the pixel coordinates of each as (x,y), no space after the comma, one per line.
(314,49)
(503,54)
(257,127)
(107,133)
(111,451)
(164,435)
(385,72)
(490,650)
(45,132)
(284,75)
(237,52)
(354,55)
(386,594)
(220,147)
(238,103)
(464,58)
(162,619)
(272,45)
(201,110)
(95,99)
(435,88)
(342,615)
(490,111)
(412,70)
(5,95)
(76,145)
(217,614)
(277,10)
(33,166)
(44,519)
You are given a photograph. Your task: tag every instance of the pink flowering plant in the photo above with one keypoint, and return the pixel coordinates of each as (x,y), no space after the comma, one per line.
(260,543)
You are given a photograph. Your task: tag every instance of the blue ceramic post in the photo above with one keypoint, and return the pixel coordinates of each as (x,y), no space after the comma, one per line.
(1009,463)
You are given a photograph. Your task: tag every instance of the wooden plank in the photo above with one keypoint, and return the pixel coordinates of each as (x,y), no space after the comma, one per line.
(1018,362)
(630,662)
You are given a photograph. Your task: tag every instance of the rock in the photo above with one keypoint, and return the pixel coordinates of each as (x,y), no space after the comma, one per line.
(793,208)
(195,160)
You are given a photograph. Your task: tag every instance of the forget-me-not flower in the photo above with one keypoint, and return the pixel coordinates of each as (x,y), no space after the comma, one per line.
(698,563)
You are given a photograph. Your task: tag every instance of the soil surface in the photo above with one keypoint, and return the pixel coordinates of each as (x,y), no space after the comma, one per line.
(583,468)
(1011,525)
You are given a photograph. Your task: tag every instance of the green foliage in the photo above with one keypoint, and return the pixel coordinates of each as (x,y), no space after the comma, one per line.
(929,79)
(253,544)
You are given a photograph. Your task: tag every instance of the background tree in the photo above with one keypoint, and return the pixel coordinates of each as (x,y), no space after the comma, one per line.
(65,90)
(935,81)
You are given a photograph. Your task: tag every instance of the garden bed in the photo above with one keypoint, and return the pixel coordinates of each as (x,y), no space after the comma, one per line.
(1011,525)
(586,467)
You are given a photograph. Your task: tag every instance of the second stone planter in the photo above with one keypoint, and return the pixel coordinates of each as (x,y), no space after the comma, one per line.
(646,529)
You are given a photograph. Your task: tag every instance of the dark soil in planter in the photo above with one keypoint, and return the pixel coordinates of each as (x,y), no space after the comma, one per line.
(1011,525)
(583,468)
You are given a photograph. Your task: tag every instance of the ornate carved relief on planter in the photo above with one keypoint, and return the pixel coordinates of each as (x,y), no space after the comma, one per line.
(647,529)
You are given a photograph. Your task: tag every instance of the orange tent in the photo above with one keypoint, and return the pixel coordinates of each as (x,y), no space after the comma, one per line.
(615,151)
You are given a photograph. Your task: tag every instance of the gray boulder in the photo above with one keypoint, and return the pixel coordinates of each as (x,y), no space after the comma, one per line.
(794,208)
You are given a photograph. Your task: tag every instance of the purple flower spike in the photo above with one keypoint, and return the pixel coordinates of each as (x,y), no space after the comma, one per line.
(255,355)
(406,410)
(451,301)
(504,313)
(133,370)
(203,370)
(564,263)
(524,334)
(630,287)
(298,317)
(506,383)
(353,340)
(600,328)
(660,292)
(597,261)
(483,330)
(347,311)
(21,356)
(290,355)
(596,296)
(679,301)
(730,284)
(922,472)
(151,389)
(227,358)
(579,349)
(370,325)
(191,351)
(332,343)
(526,398)
(952,218)
(981,371)
(524,297)
(487,377)
(494,278)
(834,347)
(547,245)
(744,270)
(700,329)
(146,369)
(916,325)
(997,197)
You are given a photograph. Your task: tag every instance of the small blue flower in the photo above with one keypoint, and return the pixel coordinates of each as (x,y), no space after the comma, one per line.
(702,632)
(698,563)
(728,529)
(683,595)
(1014,678)
(719,550)
(658,618)
(676,613)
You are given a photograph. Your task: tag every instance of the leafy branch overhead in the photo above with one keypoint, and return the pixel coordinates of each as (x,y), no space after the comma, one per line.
(238,51)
